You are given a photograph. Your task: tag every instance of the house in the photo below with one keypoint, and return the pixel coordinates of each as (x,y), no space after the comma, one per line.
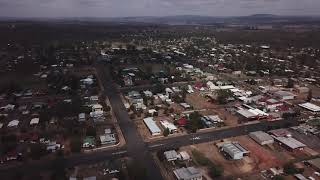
(315,163)
(148,93)
(300,177)
(127,81)
(168,125)
(152,126)
(252,114)
(284,95)
(214,118)
(97,107)
(82,117)
(34,121)
(87,81)
(272,104)
(186,106)
(152,112)
(310,107)
(280,133)
(233,150)
(8,107)
(189,173)
(171,155)
(134,94)
(53,146)
(90,178)
(108,139)
(290,143)
(261,137)
(301,90)
(13,123)
(184,156)
(182,121)
(94,99)
(88,142)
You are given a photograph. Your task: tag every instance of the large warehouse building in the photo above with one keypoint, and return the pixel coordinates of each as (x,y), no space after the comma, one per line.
(261,137)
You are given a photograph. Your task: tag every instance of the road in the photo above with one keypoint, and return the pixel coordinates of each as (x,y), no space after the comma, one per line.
(201,137)
(135,147)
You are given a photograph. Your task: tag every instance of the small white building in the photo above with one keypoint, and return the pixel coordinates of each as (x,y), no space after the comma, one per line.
(13,123)
(82,117)
(310,107)
(171,155)
(34,121)
(97,107)
(284,95)
(108,139)
(166,124)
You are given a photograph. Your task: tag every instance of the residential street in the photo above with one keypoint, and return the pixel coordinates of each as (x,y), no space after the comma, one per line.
(135,147)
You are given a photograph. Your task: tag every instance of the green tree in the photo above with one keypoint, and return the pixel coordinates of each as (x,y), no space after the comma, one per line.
(309,98)
(223,95)
(75,144)
(278,177)
(37,150)
(215,171)
(290,169)
(159,88)
(290,83)
(166,132)
(194,123)
(91,131)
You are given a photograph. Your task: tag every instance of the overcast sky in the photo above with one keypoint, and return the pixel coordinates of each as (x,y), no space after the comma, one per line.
(122,8)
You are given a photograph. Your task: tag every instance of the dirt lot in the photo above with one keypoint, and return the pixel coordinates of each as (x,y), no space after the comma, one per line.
(260,158)
(231,168)
(229,119)
(199,102)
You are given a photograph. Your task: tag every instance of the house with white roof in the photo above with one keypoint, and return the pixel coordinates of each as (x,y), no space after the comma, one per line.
(310,107)
(166,124)
(13,123)
(34,121)
(152,126)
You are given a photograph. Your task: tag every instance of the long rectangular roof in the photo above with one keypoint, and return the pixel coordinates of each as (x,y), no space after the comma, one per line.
(290,142)
(151,124)
(310,106)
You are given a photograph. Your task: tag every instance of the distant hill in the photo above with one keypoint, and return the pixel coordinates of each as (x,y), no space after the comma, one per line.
(188,19)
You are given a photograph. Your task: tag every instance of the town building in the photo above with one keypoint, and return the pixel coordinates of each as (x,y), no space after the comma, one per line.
(290,143)
(171,155)
(310,107)
(108,139)
(152,126)
(233,149)
(261,137)
(189,173)
(284,95)
(168,125)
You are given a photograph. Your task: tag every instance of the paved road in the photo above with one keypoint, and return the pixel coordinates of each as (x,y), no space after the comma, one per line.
(202,137)
(136,147)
